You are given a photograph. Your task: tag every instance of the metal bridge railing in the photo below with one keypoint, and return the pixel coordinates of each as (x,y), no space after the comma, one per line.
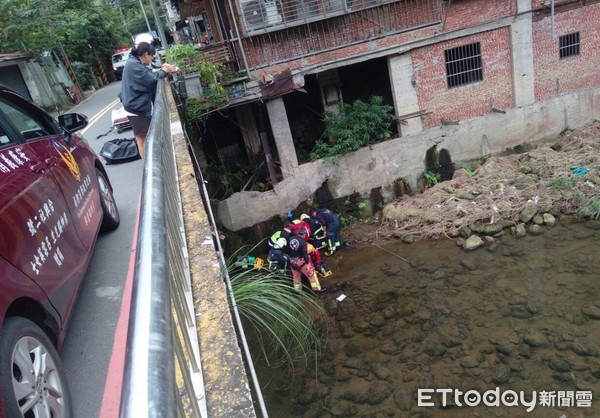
(162,340)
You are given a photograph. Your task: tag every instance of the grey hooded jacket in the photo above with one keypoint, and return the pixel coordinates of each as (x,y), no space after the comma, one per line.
(138,87)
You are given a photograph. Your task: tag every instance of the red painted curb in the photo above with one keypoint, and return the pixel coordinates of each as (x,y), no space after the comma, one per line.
(111,400)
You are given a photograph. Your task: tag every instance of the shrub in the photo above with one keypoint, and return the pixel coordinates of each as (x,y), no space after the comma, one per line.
(282,319)
(356,126)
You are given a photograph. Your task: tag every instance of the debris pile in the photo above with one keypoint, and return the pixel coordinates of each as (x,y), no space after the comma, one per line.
(513,191)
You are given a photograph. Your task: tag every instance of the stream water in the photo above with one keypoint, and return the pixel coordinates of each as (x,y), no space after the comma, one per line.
(521,315)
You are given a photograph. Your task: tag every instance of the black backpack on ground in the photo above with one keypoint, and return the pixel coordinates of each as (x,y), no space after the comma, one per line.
(120,150)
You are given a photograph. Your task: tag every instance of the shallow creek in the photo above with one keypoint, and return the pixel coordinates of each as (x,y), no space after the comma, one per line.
(522,315)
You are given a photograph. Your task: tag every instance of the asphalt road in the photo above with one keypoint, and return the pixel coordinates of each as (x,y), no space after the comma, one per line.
(89,342)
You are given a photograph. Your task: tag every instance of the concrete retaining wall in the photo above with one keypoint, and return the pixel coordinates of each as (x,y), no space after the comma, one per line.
(384,163)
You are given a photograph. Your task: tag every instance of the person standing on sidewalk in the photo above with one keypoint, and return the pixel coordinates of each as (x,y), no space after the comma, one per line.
(138,89)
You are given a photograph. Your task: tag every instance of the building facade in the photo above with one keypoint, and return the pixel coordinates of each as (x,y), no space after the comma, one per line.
(445,66)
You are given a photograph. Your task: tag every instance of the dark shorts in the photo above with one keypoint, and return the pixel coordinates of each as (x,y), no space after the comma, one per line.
(139,124)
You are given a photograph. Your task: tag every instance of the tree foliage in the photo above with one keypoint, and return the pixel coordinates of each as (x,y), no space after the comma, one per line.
(87,31)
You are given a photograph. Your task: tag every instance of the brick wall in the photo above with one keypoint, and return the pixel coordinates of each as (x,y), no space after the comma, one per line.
(555,76)
(334,34)
(462,13)
(468,101)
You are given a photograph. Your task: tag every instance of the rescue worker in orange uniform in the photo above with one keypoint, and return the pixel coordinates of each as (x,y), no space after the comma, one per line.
(301,264)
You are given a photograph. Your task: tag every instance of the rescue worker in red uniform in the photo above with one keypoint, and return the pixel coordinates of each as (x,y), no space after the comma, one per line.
(301,264)
(296,224)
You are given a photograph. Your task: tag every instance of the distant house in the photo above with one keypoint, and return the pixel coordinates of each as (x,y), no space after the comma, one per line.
(14,71)
(37,79)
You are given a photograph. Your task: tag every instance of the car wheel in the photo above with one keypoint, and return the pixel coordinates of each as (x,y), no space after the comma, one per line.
(110,218)
(31,376)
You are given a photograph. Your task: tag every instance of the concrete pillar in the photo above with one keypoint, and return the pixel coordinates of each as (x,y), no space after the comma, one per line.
(331,94)
(283,136)
(404,92)
(249,130)
(521,45)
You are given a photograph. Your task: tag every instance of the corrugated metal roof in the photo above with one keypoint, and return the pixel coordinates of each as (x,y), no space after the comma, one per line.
(12,56)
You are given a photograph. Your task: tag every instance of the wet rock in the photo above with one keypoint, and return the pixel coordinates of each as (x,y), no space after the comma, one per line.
(524,351)
(519,230)
(434,349)
(351,349)
(315,410)
(591,311)
(593,224)
(564,377)
(489,240)
(501,376)
(562,345)
(403,399)
(537,339)
(493,247)
(433,218)
(468,264)
(478,227)
(360,326)
(492,229)
(355,363)
(377,320)
(527,213)
(469,362)
(549,219)
(472,243)
(451,341)
(520,312)
(558,364)
(378,392)
(345,330)
(538,220)
(535,229)
(390,348)
(595,368)
(407,239)
(584,349)
(343,409)
(503,349)
(465,232)
(380,371)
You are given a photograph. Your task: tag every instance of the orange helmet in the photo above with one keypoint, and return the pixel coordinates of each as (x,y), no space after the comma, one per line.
(310,248)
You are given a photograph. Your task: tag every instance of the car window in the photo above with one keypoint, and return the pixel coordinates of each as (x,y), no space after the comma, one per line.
(120,57)
(29,125)
(3,137)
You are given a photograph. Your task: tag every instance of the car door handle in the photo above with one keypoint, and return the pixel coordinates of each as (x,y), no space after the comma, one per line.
(37,167)
(51,161)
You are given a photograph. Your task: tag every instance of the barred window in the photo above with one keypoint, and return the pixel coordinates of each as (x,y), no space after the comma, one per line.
(463,65)
(569,45)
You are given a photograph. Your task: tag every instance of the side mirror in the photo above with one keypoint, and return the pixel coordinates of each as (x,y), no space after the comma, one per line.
(72,122)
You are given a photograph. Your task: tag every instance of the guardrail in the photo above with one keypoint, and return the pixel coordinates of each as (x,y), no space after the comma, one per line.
(162,339)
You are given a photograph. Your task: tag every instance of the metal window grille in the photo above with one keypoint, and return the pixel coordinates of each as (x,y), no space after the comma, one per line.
(569,45)
(260,16)
(463,65)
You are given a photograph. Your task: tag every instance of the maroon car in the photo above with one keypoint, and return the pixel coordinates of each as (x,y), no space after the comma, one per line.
(55,197)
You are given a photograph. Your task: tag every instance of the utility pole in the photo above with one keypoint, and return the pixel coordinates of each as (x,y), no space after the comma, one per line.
(145,17)
(159,28)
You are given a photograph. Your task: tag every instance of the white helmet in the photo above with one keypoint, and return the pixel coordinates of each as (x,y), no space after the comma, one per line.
(281,242)
(143,37)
